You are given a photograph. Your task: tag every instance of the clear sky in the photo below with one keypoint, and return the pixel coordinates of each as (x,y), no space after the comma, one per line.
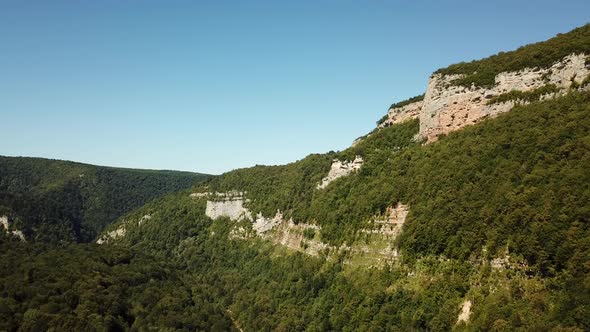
(210,86)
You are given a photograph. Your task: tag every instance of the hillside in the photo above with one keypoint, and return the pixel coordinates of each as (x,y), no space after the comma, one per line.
(466,209)
(55,201)
(495,225)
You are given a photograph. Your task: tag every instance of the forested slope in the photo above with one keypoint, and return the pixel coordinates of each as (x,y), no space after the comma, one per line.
(498,220)
(83,287)
(55,201)
(515,183)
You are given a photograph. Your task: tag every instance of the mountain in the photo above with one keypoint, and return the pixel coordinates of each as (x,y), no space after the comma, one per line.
(465,209)
(58,201)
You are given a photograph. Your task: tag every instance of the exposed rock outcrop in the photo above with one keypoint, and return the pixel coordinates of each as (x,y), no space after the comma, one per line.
(7,228)
(275,229)
(448,107)
(262,225)
(340,169)
(465,312)
(121,230)
(144,219)
(304,237)
(500,263)
(381,234)
(391,222)
(112,235)
(230,204)
(401,114)
(293,236)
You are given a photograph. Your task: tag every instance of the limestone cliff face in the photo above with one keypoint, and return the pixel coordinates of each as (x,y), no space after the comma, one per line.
(276,229)
(229,205)
(292,235)
(340,169)
(391,222)
(112,235)
(303,237)
(448,107)
(465,312)
(401,114)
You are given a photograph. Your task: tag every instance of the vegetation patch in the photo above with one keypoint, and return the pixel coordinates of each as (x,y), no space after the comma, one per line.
(482,73)
(309,233)
(408,101)
(523,96)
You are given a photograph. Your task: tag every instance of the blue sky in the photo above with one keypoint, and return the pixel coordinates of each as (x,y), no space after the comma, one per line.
(210,86)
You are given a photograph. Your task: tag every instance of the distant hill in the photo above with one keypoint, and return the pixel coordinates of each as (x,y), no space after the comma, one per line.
(62,201)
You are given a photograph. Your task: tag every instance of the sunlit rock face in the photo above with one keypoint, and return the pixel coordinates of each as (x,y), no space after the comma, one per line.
(7,228)
(112,235)
(120,232)
(340,169)
(401,114)
(448,107)
(465,312)
(230,204)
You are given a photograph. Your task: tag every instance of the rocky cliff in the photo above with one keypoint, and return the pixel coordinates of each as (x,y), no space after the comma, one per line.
(229,205)
(448,106)
(402,113)
(375,249)
(9,229)
(340,169)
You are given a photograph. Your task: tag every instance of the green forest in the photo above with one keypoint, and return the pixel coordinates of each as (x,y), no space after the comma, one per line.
(509,186)
(56,201)
(85,287)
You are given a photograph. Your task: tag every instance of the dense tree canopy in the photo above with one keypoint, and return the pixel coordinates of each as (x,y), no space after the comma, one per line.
(56,201)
